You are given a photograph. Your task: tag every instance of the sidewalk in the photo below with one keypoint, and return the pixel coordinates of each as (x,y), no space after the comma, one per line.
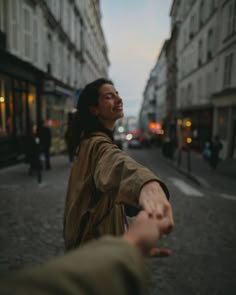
(223,178)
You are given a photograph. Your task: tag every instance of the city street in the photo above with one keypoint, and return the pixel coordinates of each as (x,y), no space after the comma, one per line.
(203,242)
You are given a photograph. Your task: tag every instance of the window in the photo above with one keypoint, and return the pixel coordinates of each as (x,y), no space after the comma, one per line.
(2,15)
(3,127)
(6,107)
(27,33)
(210,44)
(200,53)
(189,94)
(199,89)
(14,25)
(201,14)
(36,40)
(234,17)
(192,27)
(223,116)
(20,103)
(32,103)
(228,70)
(68,23)
(212,8)
(50,55)
(208,84)
(230,18)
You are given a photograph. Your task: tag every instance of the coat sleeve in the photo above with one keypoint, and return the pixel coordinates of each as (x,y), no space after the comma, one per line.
(106,266)
(118,174)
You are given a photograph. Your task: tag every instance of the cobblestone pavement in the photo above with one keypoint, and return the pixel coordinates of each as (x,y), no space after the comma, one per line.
(204,240)
(203,243)
(31,214)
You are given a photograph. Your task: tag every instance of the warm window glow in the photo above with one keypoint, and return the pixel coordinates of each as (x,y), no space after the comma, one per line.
(2,99)
(188,123)
(31,98)
(189,139)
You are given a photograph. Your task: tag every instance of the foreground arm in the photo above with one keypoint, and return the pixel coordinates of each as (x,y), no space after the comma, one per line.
(106,266)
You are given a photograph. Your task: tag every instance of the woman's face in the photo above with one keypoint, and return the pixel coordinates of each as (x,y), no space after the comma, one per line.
(110,105)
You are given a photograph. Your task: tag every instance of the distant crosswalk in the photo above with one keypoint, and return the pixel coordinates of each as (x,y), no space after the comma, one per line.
(186,188)
(190,191)
(228,197)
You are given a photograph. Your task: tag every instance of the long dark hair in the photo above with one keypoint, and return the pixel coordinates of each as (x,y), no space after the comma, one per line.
(84,122)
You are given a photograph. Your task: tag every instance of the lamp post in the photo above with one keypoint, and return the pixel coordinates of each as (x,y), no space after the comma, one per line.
(188,141)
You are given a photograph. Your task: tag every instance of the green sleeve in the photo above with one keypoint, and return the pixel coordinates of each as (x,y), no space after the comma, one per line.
(107,266)
(118,174)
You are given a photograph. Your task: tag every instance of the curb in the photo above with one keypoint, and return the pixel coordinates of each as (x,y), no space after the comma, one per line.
(197,180)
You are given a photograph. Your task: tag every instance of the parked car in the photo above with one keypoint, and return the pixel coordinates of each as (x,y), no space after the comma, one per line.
(134,142)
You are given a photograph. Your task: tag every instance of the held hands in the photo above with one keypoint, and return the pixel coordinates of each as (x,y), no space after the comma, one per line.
(153,200)
(144,232)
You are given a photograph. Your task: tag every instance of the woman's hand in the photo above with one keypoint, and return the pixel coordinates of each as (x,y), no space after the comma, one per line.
(153,200)
(144,232)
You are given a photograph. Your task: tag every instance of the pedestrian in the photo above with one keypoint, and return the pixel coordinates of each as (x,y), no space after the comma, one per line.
(45,142)
(33,153)
(85,271)
(70,144)
(207,151)
(104,178)
(216,147)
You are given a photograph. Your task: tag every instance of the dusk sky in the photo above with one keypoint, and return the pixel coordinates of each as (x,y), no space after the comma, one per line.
(135,31)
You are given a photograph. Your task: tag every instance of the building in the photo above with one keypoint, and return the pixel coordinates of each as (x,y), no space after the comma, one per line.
(224,96)
(161,89)
(154,106)
(48,51)
(206,60)
(148,108)
(197,52)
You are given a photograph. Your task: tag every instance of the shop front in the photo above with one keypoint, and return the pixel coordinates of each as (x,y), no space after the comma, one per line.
(201,119)
(225,121)
(57,102)
(19,106)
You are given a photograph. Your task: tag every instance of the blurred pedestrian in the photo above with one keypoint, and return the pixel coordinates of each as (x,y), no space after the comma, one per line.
(44,133)
(216,147)
(85,271)
(33,153)
(70,143)
(104,178)
(207,151)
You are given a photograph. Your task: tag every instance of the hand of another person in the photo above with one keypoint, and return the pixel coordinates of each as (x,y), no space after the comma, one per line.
(153,200)
(144,232)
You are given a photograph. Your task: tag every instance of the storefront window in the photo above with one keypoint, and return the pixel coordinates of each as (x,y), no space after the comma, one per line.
(20,97)
(32,104)
(223,123)
(3,127)
(10,114)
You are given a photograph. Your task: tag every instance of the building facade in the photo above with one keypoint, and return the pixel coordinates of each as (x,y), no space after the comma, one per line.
(48,51)
(224,96)
(154,105)
(197,52)
(148,108)
(206,61)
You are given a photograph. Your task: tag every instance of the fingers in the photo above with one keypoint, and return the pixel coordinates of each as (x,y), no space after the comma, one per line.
(150,207)
(160,211)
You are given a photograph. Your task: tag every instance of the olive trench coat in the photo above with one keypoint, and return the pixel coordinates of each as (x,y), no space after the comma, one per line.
(109,265)
(102,179)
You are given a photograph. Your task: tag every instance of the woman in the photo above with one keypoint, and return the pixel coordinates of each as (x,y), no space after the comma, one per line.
(104,178)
